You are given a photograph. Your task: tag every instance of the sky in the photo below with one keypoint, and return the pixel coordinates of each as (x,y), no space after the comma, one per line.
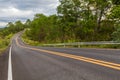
(13,10)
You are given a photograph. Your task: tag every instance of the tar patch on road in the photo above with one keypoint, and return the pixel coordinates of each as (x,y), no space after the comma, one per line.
(4,65)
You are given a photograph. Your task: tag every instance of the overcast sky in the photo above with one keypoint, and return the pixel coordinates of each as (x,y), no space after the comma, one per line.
(13,10)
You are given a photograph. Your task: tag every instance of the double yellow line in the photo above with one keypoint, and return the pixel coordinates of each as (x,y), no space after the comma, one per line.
(81,58)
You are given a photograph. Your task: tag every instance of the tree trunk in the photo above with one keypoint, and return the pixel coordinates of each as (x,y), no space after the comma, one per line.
(99,20)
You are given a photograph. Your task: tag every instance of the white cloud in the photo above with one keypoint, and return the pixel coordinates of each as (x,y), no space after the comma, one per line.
(53,5)
(3,24)
(12,10)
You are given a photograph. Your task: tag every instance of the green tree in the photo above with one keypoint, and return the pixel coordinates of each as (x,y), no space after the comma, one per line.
(116,34)
(115,16)
(116,2)
(27,23)
(100,9)
(77,20)
(19,26)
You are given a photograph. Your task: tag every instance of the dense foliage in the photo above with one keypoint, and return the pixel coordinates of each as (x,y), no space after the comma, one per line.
(12,28)
(7,32)
(77,20)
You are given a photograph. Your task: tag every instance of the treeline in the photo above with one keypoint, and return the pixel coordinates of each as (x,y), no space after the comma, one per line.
(78,20)
(75,21)
(12,28)
(7,32)
(50,29)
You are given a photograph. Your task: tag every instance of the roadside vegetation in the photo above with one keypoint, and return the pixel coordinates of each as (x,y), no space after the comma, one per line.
(4,42)
(7,33)
(75,21)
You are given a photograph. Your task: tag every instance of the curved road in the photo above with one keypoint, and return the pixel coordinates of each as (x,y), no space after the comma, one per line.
(48,63)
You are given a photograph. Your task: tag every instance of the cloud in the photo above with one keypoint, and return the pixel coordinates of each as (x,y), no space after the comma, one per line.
(3,24)
(12,10)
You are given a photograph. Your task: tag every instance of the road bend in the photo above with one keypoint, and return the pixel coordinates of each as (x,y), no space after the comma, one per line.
(48,63)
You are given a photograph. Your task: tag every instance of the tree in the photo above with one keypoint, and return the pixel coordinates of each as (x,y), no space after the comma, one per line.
(116,34)
(116,2)
(19,26)
(115,13)
(69,12)
(115,16)
(39,27)
(77,20)
(27,23)
(101,8)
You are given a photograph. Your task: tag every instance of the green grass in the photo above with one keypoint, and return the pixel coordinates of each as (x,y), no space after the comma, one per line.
(28,41)
(35,43)
(4,42)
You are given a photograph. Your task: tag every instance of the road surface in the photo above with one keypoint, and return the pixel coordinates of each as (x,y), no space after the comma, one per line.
(48,63)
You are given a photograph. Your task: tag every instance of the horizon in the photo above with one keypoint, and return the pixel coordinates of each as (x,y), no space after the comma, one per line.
(17,10)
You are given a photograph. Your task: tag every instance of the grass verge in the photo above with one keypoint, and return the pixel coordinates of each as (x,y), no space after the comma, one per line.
(26,40)
(35,43)
(4,42)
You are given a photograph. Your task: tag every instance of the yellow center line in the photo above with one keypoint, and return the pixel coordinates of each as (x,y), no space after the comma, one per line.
(81,58)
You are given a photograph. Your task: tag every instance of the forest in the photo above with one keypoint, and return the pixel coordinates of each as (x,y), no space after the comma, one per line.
(75,21)
(7,33)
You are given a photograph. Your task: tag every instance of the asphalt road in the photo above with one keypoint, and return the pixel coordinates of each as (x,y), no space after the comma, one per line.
(48,63)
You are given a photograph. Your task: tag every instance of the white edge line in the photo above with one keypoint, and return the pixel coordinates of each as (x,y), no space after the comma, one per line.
(10,66)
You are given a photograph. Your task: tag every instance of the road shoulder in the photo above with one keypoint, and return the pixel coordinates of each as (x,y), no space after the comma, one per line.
(4,65)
